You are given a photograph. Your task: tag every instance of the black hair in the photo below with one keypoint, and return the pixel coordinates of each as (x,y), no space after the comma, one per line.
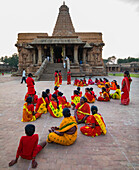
(76,92)
(30,75)
(60,93)
(44,95)
(106,80)
(91,89)
(94,109)
(29,100)
(55,97)
(103,88)
(66,112)
(84,98)
(88,89)
(100,79)
(78,88)
(118,87)
(59,70)
(106,85)
(56,87)
(29,129)
(47,91)
(127,73)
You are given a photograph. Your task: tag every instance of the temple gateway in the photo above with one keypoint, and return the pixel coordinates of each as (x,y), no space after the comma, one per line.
(41,54)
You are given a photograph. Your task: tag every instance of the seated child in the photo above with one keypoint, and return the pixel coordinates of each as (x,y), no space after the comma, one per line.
(89,96)
(94,124)
(56,90)
(104,96)
(80,92)
(107,89)
(117,94)
(41,106)
(84,82)
(97,81)
(93,93)
(34,97)
(28,147)
(49,95)
(76,82)
(28,111)
(90,82)
(80,83)
(63,101)
(75,99)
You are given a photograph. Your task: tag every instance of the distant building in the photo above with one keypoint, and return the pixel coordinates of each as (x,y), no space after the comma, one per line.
(84,49)
(4,67)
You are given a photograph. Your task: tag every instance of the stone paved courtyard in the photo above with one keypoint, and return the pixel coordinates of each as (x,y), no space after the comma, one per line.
(119,149)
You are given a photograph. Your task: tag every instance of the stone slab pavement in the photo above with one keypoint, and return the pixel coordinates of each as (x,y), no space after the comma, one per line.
(119,149)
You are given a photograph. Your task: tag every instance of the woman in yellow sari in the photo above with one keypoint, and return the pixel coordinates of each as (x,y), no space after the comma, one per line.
(56,79)
(66,133)
(117,94)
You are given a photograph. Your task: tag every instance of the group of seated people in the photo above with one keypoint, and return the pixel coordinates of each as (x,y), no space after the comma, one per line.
(83,82)
(65,134)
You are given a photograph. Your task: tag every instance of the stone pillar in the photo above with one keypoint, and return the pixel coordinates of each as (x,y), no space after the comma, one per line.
(39,55)
(84,56)
(64,52)
(76,54)
(51,54)
(34,58)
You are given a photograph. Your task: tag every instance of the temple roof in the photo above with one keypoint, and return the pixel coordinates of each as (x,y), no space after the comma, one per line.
(50,41)
(63,26)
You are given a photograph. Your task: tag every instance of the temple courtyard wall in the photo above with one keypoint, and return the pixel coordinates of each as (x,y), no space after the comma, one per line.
(117,150)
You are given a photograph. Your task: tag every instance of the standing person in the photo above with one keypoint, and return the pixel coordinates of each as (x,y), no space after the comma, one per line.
(56,78)
(23,76)
(28,147)
(68,77)
(126,88)
(30,85)
(60,77)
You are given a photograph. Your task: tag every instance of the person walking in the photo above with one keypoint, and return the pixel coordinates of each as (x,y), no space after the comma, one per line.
(23,76)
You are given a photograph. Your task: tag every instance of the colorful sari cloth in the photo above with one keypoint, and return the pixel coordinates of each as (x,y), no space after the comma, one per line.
(90,97)
(90,82)
(80,84)
(80,94)
(76,82)
(56,92)
(100,127)
(54,111)
(41,106)
(35,98)
(75,99)
(68,77)
(82,110)
(113,86)
(30,85)
(125,95)
(66,124)
(28,113)
(104,97)
(60,78)
(56,79)
(63,101)
(116,95)
(84,83)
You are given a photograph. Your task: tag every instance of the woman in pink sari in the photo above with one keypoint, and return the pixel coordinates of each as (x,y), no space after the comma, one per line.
(125,88)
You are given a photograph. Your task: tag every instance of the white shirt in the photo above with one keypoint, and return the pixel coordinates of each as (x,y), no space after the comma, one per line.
(24,73)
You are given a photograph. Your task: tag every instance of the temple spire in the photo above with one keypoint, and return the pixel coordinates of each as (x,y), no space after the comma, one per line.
(63,26)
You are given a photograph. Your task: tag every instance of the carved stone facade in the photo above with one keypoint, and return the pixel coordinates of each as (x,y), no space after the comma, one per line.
(83,49)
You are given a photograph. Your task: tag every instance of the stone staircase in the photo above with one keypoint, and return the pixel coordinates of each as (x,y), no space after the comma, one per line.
(49,70)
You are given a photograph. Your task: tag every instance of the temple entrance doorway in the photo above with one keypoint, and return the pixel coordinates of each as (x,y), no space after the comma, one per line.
(70,53)
(58,54)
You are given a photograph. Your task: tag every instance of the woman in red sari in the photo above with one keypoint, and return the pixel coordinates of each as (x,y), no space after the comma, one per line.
(126,88)
(60,77)
(56,79)
(30,84)
(49,95)
(63,101)
(104,96)
(68,77)
(80,92)
(82,110)
(89,96)
(94,124)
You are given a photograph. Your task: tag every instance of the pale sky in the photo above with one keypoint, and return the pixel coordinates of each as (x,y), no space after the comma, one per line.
(118,20)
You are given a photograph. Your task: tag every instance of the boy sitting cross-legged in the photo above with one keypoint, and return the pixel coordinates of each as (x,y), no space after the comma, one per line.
(28,147)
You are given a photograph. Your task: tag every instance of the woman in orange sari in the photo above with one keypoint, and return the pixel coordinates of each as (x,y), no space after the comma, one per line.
(56,78)
(54,108)
(63,101)
(68,77)
(60,77)
(82,110)
(94,124)
(113,85)
(28,111)
(66,133)
(126,88)
(89,96)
